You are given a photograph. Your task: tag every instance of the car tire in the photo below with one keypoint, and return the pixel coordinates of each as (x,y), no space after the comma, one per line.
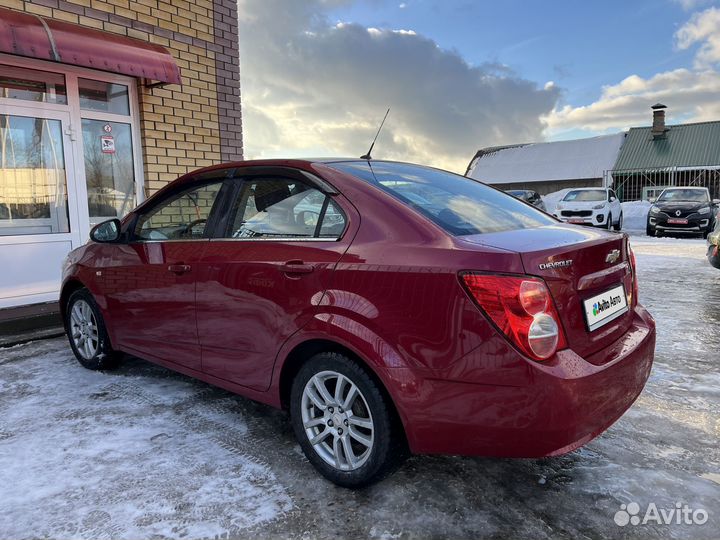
(619,225)
(87,333)
(609,224)
(649,230)
(363,444)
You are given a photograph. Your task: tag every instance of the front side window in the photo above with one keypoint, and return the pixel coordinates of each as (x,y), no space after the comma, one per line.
(458,204)
(182,217)
(282,208)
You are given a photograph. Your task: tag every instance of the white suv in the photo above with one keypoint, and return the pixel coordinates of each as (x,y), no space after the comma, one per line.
(591,206)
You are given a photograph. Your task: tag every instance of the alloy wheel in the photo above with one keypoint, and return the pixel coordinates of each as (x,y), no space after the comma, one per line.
(84,329)
(337,420)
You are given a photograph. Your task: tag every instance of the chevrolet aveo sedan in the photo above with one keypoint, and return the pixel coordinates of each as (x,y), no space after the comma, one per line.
(390,308)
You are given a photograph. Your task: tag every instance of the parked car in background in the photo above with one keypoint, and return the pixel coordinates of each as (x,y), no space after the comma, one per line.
(682,210)
(599,207)
(714,245)
(529,196)
(388,307)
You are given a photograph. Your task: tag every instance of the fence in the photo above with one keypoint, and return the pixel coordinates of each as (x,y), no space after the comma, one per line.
(644,184)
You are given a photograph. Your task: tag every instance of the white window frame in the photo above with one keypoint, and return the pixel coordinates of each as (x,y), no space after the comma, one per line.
(77,175)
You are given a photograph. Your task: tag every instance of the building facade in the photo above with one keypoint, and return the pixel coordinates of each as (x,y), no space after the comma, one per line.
(547,167)
(660,156)
(103,102)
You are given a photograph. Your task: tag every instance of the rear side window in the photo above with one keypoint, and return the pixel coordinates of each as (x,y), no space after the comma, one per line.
(279,208)
(456,203)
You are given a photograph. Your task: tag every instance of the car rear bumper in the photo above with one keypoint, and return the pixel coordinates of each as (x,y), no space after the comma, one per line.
(566,403)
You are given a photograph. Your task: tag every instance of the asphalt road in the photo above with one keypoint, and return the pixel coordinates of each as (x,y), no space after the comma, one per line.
(144,452)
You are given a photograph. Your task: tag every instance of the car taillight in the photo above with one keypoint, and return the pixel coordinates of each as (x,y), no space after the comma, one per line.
(633,268)
(522,308)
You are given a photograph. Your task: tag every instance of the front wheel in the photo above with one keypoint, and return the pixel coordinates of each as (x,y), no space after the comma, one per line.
(619,225)
(343,422)
(649,230)
(609,224)
(86,331)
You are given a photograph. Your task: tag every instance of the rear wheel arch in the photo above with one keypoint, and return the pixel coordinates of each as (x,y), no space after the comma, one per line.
(304,351)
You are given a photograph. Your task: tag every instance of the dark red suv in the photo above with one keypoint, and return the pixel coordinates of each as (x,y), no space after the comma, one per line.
(389,307)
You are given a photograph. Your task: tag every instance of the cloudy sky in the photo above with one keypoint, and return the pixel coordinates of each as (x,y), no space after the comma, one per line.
(458,75)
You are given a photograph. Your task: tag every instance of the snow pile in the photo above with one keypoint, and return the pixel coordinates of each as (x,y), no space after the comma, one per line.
(551,199)
(635,215)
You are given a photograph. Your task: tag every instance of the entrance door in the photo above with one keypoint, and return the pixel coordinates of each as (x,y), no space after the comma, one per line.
(38,212)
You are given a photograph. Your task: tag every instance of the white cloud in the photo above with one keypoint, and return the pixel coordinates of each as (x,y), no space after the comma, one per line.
(704,29)
(311,87)
(690,94)
(690,5)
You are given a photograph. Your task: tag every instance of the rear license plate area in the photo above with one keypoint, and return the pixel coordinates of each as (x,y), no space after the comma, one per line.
(605,307)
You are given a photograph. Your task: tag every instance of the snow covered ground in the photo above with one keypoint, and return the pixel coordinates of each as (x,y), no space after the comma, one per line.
(144,452)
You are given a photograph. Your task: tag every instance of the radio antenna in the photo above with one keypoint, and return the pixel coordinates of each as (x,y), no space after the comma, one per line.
(368,156)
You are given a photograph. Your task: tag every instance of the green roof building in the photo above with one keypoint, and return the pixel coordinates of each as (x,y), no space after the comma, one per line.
(653,158)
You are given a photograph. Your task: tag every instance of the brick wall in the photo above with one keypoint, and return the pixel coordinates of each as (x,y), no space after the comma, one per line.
(182,127)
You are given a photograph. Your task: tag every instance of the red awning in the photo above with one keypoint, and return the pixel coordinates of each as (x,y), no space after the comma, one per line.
(33,36)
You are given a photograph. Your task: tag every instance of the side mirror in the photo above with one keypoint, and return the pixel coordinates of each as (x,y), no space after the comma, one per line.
(613,199)
(106,232)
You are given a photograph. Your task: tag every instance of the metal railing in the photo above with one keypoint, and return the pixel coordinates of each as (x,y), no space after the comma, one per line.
(646,184)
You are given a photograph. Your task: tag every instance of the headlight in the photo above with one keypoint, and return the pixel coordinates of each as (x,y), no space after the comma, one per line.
(704,210)
(599,206)
(559,205)
(654,210)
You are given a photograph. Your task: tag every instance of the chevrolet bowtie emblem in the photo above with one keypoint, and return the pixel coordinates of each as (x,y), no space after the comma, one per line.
(613,256)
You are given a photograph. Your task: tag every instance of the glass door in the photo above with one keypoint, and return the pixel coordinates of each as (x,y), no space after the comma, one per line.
(107,141)
(38,211)
(33,176)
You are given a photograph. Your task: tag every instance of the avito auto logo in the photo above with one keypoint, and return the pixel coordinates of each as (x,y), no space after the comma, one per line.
(602,305)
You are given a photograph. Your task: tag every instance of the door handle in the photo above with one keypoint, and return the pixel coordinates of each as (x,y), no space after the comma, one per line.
(296,267)
(179,268)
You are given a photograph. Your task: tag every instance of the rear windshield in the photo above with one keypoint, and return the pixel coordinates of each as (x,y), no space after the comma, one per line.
(694,195)
(458,204)
(586,195)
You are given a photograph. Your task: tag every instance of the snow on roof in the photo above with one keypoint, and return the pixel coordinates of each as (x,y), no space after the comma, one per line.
(562,160)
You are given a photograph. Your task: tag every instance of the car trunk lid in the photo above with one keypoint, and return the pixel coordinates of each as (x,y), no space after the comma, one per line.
(578,264)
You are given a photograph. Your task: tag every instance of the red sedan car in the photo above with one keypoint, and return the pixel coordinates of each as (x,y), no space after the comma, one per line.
(389,307)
